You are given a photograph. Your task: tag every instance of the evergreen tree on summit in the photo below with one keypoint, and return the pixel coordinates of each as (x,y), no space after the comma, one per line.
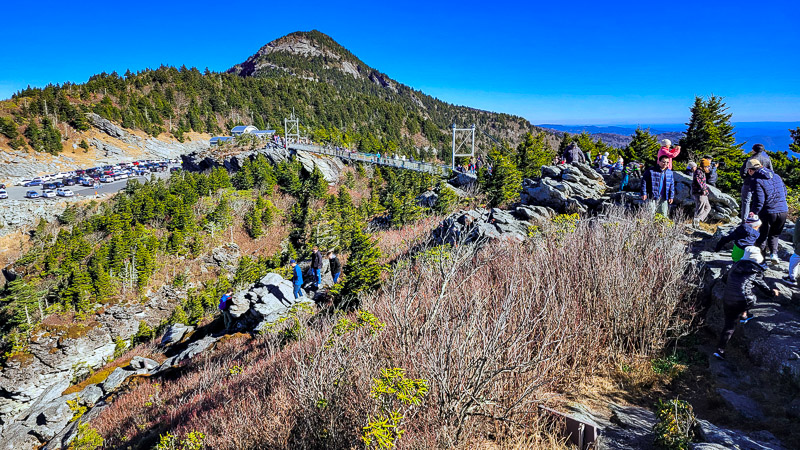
(643,147)
(710,132)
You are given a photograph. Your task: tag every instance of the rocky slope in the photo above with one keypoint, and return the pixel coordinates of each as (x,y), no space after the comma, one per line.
(48,419)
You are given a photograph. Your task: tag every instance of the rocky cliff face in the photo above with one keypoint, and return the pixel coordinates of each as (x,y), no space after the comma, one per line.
(32,407)
(330,166)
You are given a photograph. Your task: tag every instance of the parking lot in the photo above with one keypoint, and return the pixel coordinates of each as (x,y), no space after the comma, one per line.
(18,192)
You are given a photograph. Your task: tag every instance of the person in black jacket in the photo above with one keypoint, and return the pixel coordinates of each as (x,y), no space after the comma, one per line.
(739,296)
(335,267)
(316,265)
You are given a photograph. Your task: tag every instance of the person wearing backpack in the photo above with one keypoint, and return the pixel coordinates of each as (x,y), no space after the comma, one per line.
(744,278)
(224,307)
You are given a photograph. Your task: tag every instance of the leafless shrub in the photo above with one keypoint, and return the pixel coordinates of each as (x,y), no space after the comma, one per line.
(495,329)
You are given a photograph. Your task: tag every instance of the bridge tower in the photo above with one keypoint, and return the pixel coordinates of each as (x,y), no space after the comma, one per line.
(467,133)
(291,127)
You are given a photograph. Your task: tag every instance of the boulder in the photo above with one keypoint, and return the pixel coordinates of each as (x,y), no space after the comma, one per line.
(115,379)
(461,179)
(746,406)
(331,168)
(427,199)
(730,439)
(138,362)
(175,333)
(91,394)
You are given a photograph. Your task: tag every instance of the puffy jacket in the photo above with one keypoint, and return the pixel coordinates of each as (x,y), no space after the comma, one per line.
(671,152)
(699,182)
(712,175)
(769,193)
(743,236)
(297,278)
(742,278)
(316,260)
(335,265)
(651,183)
(574,154)
(762,157)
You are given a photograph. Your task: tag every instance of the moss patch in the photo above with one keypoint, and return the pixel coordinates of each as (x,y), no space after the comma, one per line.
(98,377)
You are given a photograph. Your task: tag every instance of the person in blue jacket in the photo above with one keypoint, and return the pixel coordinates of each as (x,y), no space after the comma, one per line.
(297,279)
(658,185)
(768,202)
(743,236)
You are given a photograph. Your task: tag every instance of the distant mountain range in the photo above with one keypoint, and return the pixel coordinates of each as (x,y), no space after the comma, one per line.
(774,135)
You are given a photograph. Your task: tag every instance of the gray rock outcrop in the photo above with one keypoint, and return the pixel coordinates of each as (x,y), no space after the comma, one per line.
(479,225)
(566,188)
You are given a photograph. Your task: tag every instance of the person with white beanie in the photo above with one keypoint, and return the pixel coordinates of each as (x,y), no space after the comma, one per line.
(739,297)
(668,150)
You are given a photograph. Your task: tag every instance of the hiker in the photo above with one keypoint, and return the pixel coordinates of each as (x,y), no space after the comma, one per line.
(739,297)
(617,166)
(711,179)
(335,267)
(316,265)
(604,161)
(769,203)
(626,172)
(573,154)
(743,236)
(297,279)
(794,260)
(224,307)
(668,150)
(690,168)
(700,193)
(659,184)
(763,158)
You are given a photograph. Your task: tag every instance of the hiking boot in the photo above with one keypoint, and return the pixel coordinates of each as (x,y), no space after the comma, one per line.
(789,280)
(773,258)
(720,354)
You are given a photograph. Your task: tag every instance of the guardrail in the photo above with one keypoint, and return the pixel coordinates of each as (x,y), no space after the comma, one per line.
(419,166)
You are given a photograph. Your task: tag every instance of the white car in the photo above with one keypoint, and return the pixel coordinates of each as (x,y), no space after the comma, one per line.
(64,192)
(3,193)
(106,179)
(120,176)
(49,193)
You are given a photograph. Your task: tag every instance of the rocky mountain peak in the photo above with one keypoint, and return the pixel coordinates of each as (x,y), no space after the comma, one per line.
(291,53)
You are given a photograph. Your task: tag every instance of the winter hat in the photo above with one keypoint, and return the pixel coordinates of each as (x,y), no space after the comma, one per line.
(605,154)
(705,162)
(666,143)
(753,164)
(692,165)
(291,261)
(753,253)
(753,220)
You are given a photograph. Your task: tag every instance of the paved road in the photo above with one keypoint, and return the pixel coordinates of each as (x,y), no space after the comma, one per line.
(18,192)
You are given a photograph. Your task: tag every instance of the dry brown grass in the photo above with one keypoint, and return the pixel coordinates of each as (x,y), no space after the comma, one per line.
(495,331)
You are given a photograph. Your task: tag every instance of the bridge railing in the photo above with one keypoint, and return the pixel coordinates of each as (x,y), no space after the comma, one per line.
(419,166)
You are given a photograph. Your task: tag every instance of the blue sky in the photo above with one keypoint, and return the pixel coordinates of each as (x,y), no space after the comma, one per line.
(588,62)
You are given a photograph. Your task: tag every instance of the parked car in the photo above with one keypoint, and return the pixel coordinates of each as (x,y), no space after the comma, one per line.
(3,193)
(87,182)
(33,183)
(120,176)
(49,185)
(32,194)
(49,193)
(70,181)
(106,179)
(64,192)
